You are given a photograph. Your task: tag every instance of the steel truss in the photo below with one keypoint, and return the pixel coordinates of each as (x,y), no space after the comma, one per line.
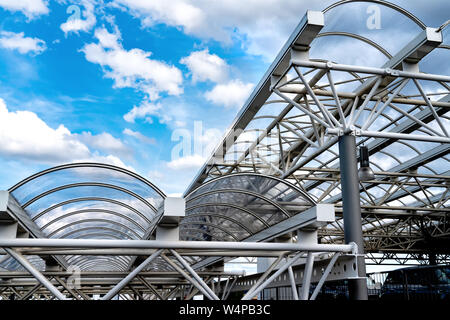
(181,282)
(399,112)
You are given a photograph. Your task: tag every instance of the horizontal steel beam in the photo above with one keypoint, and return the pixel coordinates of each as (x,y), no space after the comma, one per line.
(155,244)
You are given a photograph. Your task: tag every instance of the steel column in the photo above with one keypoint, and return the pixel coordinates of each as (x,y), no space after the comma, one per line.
(352,211)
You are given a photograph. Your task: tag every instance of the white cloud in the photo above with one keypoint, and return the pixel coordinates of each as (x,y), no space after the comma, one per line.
(262,26)
(205,66)
(174,13)
(169,112)
(18,41)
(104,141)
(187,162)
(25,136)
(132,68)
(139,136)
(75,23)
(231,94)
(144,110)
(30,8)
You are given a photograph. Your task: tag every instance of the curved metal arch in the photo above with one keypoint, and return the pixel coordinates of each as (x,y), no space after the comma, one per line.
(254,194)
(197,238)
(358,37)
(206,214)
(230,205)
(101,263)
(210,225)
(287,183)
(383,3)
(95,228)
(93,220)
(89,164)
(98,262)
(73,259)
(201,232)
(90,184)
(78,259)
(97,234)
(119,203)
(76,212)
(102,266)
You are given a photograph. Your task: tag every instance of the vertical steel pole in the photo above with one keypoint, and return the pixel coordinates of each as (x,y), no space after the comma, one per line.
(352,211)
(306,283)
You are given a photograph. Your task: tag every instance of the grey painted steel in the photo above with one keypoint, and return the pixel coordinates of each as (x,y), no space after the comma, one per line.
(31,269)
(130,276)
(307,277)
(154,244)
(352,210)
(370,70)
(194,274)
(324,276)
(266,273)
(293,285)
(305,32)
(283,268)
(187,277)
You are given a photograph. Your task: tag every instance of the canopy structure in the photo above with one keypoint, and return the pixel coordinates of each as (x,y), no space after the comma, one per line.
(237,206)
(90,201)
(357,74)
(372,70)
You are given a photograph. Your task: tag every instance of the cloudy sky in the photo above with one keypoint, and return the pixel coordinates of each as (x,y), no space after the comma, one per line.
(121,81)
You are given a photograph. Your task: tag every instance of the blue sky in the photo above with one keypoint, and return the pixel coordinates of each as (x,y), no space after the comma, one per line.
(114,81)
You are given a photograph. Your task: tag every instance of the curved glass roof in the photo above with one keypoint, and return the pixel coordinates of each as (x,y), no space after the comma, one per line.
(236,206)
(90,201)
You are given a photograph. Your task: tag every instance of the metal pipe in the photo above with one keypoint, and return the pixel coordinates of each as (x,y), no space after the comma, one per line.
(156,244)
(352,211)
(393,135)
(31,269)
(187,277)
(324,276)
(307,277)
(293,285)
(194,274)
(371,70)
(272,277)
(130,276)
(266,273)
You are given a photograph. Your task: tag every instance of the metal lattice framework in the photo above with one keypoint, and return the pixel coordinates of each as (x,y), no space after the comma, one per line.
(278,166)
(312,94)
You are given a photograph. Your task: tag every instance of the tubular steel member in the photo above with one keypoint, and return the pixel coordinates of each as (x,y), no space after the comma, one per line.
(352,211)
(35,273)
(130,276)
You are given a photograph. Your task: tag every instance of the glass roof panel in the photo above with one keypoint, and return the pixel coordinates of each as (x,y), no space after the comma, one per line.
(90,201)
(236,206)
